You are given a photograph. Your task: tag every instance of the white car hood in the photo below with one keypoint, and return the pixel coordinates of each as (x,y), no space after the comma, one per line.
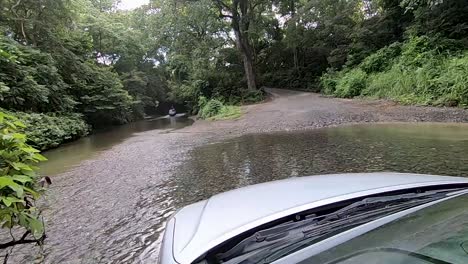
(200,227)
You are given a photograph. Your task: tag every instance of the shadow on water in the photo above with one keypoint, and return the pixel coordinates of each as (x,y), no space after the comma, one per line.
(417,148)
(70,155)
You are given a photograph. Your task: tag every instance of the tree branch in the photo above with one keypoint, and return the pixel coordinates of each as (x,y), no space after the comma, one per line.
(23,240)
(15,5)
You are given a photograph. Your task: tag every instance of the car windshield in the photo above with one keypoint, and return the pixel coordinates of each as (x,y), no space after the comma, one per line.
(434,235)
(269,244)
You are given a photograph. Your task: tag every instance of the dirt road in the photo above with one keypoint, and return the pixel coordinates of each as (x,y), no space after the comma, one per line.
(291,110)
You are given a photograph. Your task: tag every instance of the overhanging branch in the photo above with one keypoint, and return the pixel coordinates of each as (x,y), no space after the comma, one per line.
(23,240)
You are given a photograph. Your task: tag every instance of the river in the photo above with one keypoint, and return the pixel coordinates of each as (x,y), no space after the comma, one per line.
(113,218)
(440,149)
(70,155)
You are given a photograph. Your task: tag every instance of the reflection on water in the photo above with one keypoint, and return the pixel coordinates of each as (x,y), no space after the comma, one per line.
(69,155)
(420,148)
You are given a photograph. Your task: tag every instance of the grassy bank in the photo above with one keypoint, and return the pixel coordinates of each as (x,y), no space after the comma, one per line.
(215,109)
(420,71)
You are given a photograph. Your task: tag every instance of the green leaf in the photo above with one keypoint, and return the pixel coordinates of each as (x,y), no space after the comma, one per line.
(35,194)
(10,124)
(7,136)
(6,181)
(10,200)
(39,157)
(8,223)
(22,178)
(16,159)
(19,136)
(19,124)
(20,166)
(36,226)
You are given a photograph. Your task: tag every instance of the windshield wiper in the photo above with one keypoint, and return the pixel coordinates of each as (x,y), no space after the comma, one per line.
(273,243)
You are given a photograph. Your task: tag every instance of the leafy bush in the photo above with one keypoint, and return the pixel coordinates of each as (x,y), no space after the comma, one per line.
(46,131)
(209,108)
(421,74)
(49,131)
(328,82)
(453,82)
(214,109)
(18,181)
(382,59)
(420,51)
(351,84)
(253,96)
(33,80)
(403,86)
(103,100)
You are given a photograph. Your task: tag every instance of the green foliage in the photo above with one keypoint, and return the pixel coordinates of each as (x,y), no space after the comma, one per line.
(147,87)
(351,83)
(63,57)
(382,59)
(46,131)
(228,112)
(31,81)
(422,75)
(446,19)
(209,108)
(328,82)
(253,96)
(452,83)
(416,52)
(49,131)
(103,101)
(415,72)
(401,85)
(18,179)
(214,109)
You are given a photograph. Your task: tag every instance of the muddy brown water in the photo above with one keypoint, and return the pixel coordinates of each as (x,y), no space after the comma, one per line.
(207,169)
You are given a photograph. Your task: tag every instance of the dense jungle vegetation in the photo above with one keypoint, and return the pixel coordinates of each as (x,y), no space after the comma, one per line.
(70,66)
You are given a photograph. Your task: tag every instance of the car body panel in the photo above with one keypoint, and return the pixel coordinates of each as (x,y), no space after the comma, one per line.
(202,226)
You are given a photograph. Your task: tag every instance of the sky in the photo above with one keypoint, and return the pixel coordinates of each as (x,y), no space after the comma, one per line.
(131,4)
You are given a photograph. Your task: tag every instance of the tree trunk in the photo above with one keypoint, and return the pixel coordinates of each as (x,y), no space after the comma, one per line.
(295,51)
(245,49)
(240,25)
(240,22)
(250,73)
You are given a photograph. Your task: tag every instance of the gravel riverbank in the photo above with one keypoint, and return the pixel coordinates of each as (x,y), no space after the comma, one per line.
(292,110)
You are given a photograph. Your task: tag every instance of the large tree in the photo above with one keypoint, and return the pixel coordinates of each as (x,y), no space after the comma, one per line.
(241,14)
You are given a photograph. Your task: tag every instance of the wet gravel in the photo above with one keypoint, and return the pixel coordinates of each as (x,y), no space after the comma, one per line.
(292,110)
(111,209)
